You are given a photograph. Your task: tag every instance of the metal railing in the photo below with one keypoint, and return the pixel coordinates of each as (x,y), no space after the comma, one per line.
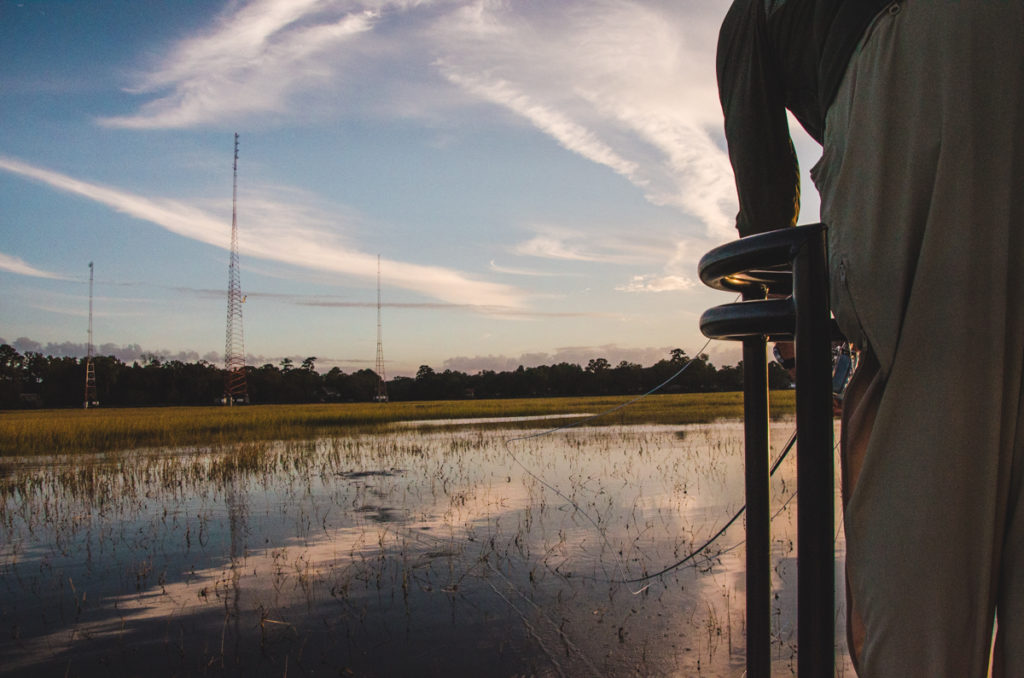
(790,266)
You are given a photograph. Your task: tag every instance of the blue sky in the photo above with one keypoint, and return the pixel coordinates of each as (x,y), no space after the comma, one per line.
(539,179)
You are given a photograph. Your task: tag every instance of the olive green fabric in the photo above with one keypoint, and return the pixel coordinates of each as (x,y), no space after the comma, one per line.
(922,184)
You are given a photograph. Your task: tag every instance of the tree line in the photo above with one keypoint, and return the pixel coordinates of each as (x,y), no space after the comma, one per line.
(37,380)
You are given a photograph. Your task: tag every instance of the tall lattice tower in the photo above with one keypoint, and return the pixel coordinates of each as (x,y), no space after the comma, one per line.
(236,389)
(90,369)
(382,387)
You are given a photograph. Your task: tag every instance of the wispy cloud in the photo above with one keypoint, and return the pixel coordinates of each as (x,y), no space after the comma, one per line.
(626,84)
(677,274)
(319,300)
(254,60)
(528,272)
(656,283)
(18,266)
(567,132)
(320,303)
(598,243)
(551,247)
(286,234)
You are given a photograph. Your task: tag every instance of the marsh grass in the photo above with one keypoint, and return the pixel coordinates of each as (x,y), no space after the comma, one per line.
(376,551)
(62,432)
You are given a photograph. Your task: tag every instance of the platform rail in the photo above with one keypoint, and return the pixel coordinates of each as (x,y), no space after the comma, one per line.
(783,279)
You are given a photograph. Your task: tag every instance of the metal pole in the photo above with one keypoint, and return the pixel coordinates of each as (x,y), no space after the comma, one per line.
(756,472)
(753,264)
(815,468)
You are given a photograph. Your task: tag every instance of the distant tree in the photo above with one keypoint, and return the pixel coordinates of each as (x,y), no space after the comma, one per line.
(427,384)
(151,359)
(265,384)
(485,384)
(12,366)
(63,382)
(453,385)
(335,379)
(699,375)
(661,371)
(30,378)
(11,363)
(730,378)
(363,385)
(401,388)
(600,376)
(628,377)
(301,385)
(565,379)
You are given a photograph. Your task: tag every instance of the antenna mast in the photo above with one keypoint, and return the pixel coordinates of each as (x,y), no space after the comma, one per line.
(382,388)
(236,389)
(90,369)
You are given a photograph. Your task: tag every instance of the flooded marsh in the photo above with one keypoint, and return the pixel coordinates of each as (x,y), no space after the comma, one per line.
(427,551)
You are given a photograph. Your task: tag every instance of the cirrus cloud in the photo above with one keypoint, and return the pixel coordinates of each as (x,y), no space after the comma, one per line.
(287,234)
(625,84)
(15,265)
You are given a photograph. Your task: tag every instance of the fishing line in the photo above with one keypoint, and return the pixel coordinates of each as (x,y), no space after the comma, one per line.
(709,542)
(679,563)
(580,422)
(610,410)
(601,531)
(682,561)
(693,554)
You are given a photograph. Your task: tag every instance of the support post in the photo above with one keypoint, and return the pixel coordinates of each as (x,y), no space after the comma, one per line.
(790,261)
(815,468)
(755,432)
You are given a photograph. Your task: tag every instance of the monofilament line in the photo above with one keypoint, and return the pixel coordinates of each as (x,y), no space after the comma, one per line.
(601,531)
(580,422)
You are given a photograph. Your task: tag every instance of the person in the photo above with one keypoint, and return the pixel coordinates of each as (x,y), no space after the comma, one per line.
(919,107)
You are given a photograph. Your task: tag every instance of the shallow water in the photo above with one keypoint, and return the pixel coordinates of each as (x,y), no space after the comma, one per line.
(422,423)
(456,552)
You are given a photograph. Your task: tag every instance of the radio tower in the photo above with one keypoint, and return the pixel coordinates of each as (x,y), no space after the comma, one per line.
(382,388)
(236,389)
(90,369)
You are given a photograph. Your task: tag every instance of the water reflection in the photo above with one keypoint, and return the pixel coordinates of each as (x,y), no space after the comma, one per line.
(468,421)
(407,553)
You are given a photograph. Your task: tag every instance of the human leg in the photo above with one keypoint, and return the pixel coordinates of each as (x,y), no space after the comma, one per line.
(1009,650)
(860,407)
(918,184)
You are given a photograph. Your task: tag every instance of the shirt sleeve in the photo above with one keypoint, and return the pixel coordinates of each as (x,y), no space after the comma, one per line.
(756,128)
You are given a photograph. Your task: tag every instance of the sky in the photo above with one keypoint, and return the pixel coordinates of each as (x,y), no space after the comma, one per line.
(538,179)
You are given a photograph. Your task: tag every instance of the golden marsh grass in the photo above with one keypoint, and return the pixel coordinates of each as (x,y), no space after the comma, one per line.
(46,432)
